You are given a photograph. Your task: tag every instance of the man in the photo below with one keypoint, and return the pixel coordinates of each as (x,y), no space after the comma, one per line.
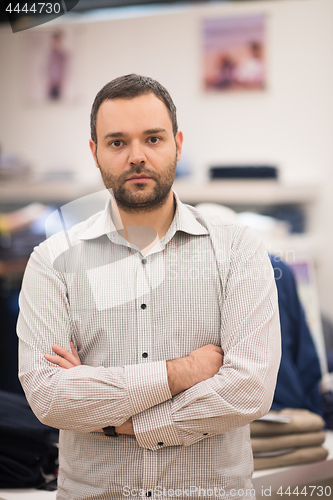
(173,315)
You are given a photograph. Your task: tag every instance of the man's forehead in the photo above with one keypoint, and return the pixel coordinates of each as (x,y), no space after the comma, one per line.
(136,110)
(145,100)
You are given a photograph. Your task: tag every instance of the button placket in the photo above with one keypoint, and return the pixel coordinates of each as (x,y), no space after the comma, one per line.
(150,470)
(143,314)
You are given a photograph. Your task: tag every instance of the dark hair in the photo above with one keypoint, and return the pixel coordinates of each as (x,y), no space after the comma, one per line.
(128,87)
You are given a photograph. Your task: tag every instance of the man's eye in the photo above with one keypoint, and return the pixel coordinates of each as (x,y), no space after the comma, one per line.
(153,140)
(116,144)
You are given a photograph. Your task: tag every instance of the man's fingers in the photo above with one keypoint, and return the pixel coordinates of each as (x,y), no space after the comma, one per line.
(64,353)
(63,357)
(58,360)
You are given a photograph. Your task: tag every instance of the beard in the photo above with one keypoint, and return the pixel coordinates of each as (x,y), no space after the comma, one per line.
(140,199)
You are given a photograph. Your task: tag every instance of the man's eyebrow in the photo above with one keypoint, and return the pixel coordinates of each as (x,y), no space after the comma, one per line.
(154,131)
(114,135)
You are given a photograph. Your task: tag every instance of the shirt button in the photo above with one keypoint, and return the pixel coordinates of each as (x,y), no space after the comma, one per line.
(160,443)
(143,306)
(144,261)
(145,354)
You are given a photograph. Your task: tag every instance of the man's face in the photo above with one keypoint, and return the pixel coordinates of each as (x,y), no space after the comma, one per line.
(136,151)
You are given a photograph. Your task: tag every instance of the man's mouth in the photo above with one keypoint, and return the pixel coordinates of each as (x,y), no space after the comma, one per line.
(139,178)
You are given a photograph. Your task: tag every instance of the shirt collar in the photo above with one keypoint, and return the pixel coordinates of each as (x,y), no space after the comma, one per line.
(102,225)
(183,220)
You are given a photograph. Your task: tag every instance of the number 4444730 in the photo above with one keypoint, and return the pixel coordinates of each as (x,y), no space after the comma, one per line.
(315,491)
(35,8)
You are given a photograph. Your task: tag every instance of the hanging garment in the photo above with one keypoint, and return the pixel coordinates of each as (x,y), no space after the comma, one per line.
(299,375)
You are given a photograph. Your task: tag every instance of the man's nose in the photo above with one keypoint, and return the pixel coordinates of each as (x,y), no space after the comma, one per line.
(137,154)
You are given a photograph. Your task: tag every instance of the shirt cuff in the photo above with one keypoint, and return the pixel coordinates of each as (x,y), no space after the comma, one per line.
(154,429)
(147,385)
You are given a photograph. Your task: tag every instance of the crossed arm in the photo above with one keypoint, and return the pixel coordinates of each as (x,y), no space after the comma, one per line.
(183,373)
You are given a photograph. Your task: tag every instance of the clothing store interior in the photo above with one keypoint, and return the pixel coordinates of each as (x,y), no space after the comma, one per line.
(252,82)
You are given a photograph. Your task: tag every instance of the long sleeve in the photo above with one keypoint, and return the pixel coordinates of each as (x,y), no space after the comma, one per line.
(84,398)
(250,338)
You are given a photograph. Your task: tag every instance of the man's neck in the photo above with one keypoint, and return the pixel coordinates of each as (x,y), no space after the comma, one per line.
(144,229)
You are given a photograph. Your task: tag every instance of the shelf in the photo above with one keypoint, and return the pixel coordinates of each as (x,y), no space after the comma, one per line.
(245,192)
(44,192)
(292,245)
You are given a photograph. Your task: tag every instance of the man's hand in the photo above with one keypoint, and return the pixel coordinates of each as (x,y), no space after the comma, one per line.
(126,428)
(199,365)
(63,357)
(67,360)
(206,362)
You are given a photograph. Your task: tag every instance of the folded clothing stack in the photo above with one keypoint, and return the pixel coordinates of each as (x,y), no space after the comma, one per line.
(287,437)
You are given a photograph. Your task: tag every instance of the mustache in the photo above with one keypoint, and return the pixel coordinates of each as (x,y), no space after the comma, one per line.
(138,169)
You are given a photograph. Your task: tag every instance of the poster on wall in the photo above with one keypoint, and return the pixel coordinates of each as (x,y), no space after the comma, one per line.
(50,72)
(234,53)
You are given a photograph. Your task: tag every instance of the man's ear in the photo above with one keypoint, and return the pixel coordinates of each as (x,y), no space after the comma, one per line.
(93,147)
(179,143)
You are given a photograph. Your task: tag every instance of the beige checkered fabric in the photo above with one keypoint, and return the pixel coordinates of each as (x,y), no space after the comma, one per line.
(206,281)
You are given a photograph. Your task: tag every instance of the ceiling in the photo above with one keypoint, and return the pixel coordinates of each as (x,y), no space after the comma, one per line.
(84,5)
(89,5)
